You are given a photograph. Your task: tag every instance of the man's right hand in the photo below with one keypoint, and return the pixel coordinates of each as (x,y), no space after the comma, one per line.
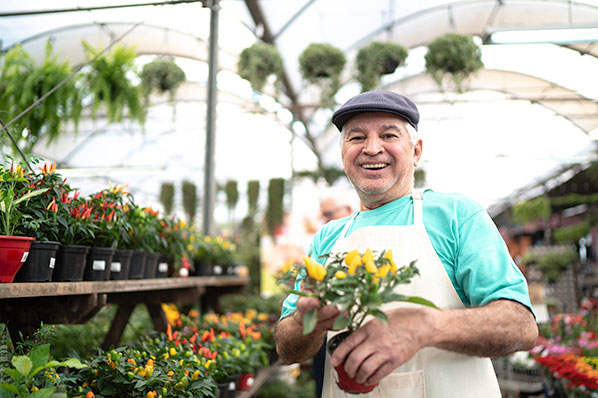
(326,315)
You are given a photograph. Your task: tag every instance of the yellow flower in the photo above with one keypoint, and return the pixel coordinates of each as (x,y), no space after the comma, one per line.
(192,238)
(314,269)
(353,260)
(368,260)
(340,275)
(388,256)
(383,271)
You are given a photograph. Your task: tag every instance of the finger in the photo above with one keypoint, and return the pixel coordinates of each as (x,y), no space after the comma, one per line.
(305,304)
(362,356)
(379,374)
(341,352)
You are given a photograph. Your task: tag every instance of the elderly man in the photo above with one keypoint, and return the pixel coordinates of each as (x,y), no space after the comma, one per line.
(465,269)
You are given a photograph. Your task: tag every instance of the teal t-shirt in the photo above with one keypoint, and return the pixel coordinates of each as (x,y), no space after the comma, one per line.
(464,236)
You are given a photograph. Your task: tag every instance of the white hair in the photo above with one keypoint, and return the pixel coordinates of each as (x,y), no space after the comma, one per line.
(413,133)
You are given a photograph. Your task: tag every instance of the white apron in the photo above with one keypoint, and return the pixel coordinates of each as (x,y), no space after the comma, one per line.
(432,372)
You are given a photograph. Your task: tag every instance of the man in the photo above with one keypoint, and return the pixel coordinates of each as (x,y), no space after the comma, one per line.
(465,269)
(334,204)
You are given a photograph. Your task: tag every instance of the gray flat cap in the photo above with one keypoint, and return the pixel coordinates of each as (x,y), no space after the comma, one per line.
(377,101)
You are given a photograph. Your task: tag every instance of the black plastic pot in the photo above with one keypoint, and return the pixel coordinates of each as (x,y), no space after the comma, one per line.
(151,265)
(121,261)
(40,263)
(201,269)
(164,264)
(137,265)
(70,263)
(97,267)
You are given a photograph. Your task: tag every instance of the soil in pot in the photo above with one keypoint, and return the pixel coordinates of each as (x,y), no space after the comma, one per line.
(14,251)
(151,265)
(137,265)
(343,381)
(97,267)
(40,263)
(121,261)
(70,263)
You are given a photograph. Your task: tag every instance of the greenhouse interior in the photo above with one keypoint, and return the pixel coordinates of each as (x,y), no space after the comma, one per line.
(182,218)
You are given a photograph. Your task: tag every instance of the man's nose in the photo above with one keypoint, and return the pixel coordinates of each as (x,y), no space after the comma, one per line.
(373,146)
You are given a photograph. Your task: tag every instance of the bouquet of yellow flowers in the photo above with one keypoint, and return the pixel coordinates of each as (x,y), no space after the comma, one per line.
(358,284)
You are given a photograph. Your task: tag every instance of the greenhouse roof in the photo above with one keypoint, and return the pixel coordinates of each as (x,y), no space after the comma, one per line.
(531,110)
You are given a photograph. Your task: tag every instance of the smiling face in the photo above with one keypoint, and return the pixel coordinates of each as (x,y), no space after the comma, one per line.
(379,158)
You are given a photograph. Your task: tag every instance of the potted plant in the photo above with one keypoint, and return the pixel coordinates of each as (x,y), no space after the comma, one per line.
(358,284)
(376,59)
(321,65)
(162,75)
(258,62)
(453,56)
(14,194)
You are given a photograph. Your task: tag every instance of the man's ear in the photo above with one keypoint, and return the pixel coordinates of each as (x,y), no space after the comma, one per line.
(417,152)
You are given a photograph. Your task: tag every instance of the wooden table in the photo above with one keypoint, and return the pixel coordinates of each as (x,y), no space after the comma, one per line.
(24,305)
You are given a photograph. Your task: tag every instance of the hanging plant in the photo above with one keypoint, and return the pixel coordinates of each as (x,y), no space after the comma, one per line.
(275,212)
(161,75)
(253,192)
(258,62)
(189,200)
(532,210)
(552,264)
(376,59)
(322,65)
(453,56)
(571,233)
(22,82)
(167,196)
(232,195)
(109,83)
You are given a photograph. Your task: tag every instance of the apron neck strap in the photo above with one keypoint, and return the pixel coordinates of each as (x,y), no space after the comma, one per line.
(418,213)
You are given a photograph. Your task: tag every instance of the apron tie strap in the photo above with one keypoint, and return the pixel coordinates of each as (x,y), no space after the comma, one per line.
(418,214)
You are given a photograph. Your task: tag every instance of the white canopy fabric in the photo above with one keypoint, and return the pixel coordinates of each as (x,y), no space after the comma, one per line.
(542,94)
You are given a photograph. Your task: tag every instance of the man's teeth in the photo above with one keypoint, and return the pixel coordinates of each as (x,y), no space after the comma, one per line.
(374,166)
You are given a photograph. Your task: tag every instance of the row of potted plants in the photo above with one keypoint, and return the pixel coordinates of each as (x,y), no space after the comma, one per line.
(200,356)
(106,235)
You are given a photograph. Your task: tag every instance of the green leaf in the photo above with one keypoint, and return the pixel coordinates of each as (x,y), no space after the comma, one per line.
(310,319)
(422,301)
(9,387)
(341,322)
(40,355)
(23,364)
(30,195)
(379,315)
(43,393)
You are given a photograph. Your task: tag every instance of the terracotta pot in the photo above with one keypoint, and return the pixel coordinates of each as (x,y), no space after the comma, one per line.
(13,253)
(343,381)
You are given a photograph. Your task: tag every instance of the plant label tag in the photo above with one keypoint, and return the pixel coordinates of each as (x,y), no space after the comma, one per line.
(115,267)
(52,262)
(24,258)
(162,267)
(98,265)
(217,270)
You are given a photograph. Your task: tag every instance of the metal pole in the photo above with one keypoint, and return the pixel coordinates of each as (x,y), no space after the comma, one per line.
(209,184)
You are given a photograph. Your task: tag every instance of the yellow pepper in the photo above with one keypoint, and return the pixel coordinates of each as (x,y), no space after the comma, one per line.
(368,260)
(314,269)
(388,256)
(383,271)
(340,275)
(353,260)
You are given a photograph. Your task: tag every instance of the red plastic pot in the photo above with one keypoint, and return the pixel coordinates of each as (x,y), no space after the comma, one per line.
(343,381)
(13,253)
(245,382)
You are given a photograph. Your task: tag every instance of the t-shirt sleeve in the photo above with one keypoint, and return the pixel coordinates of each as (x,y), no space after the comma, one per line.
(484,268)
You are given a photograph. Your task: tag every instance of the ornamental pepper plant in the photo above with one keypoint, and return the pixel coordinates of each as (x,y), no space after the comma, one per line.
(357,283)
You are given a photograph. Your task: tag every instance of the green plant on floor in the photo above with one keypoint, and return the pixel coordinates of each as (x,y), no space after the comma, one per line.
(22,82)
(161,75)
(258,62)
(109,84)
(321,65)
(454,57)
(376,59)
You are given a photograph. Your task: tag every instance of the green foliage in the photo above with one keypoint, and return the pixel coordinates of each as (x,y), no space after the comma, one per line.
(189,200)
(258,62)
(322,65)
(109,84)
(419,177)
(244,302)
(22,82)
(552,264)
(571,233)
(232,194)
(253,193)
(376,59)
(532,210)
(167,196)
(162,75)
(275,209)
(454,56)
(303,388)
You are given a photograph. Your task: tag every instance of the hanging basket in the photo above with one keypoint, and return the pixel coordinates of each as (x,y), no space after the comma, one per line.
(258,62)
(162,75)
(322,65)
(454,57)
(377,59)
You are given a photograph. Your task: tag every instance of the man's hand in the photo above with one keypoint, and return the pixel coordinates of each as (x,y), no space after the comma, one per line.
(326,315)
(377,348)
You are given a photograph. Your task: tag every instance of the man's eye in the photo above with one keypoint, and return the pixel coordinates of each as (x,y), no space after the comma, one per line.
(356,138)
(389,136)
